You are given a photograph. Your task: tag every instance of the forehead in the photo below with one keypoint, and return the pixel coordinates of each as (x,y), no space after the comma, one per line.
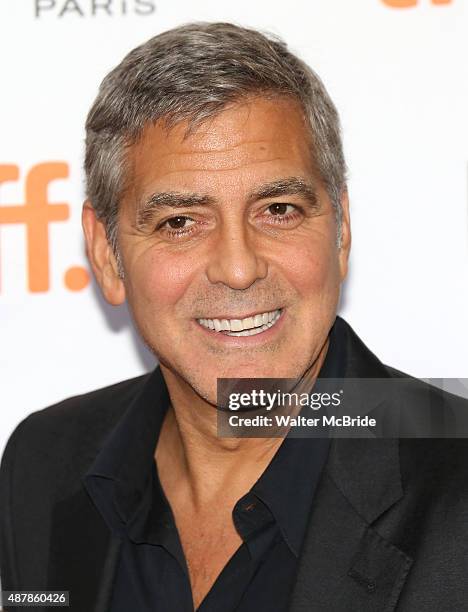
(259,139)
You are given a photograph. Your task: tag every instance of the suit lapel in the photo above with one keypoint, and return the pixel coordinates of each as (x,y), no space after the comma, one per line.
(345,564)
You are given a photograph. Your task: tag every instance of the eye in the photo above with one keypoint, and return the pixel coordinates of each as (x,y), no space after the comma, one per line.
(280,209)
(282,215)
(177,227)
(179,222)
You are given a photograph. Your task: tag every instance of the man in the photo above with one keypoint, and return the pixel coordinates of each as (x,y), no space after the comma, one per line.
(217,207)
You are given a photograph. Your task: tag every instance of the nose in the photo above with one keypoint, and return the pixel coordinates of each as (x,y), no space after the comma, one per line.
(235,260)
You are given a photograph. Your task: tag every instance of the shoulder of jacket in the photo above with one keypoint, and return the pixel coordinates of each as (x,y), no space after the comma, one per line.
(66,422)
(111,399)
(441,459)
(427,390)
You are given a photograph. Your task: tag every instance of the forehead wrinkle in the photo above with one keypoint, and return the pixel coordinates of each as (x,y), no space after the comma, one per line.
(209,141)
(244,153)
(226,168)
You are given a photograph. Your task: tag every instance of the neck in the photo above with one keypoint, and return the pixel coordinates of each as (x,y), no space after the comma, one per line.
(196,465)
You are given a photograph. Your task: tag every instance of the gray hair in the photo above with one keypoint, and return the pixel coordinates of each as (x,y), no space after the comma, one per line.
(191,73)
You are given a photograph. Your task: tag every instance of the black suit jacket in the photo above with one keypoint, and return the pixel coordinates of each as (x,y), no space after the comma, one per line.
(388,529)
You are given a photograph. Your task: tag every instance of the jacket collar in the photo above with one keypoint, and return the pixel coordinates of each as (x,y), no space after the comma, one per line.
(377,459)
(362,571)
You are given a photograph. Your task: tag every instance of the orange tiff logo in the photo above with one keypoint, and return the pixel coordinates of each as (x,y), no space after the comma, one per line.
(36,213)
(409,3)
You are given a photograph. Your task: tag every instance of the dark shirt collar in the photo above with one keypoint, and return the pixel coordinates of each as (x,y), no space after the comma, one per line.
(127,456)
(123,480)
(287,486)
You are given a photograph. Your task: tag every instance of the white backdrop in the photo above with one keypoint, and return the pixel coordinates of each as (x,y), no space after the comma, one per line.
(399,77)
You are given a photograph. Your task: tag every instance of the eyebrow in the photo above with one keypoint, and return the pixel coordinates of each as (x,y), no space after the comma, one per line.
(274,189)
(170,199)
(284,187)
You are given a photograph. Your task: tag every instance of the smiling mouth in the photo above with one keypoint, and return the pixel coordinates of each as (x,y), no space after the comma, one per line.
(250,326)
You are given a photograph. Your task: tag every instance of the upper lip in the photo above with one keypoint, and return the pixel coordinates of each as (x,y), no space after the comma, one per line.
(243,316)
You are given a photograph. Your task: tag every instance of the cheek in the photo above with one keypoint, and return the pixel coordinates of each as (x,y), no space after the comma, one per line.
(162,280)
(313,270)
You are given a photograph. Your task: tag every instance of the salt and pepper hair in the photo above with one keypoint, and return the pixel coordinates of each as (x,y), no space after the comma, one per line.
(191,73)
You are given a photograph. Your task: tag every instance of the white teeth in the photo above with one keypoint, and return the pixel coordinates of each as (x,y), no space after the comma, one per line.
(258,320)
(249,326)
(247,323)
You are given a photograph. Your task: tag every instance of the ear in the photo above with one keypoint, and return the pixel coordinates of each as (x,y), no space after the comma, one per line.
(101,257)
(345,235)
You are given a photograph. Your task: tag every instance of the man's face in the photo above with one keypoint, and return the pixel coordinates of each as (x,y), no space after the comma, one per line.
(231,227)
